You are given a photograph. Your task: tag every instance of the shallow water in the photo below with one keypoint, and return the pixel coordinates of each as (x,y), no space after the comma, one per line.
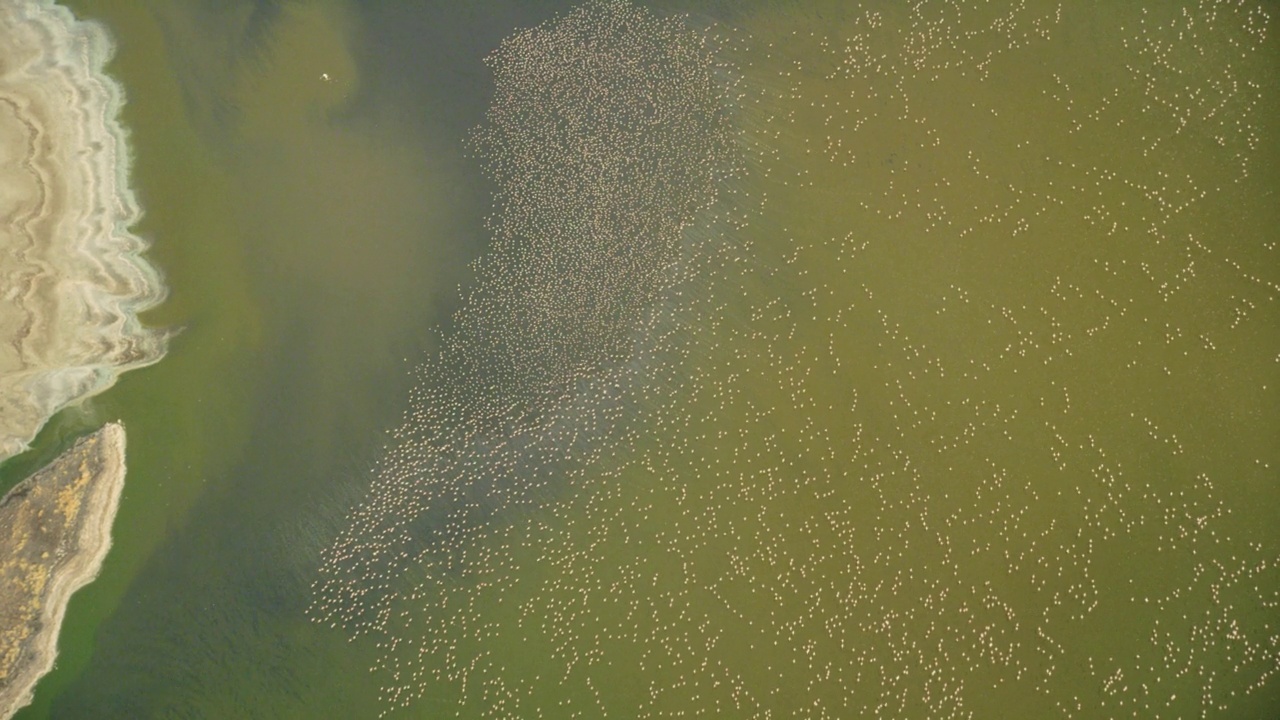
(311,236)
(959,398)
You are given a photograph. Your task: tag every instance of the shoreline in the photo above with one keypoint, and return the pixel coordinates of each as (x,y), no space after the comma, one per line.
(70,557)
(72,276)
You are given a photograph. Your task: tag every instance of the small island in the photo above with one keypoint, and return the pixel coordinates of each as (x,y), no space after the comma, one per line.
(55,529)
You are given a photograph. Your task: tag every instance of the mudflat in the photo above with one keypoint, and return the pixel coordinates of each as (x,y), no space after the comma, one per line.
(72,279)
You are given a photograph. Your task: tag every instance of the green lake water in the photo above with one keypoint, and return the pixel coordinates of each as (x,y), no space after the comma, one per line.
(312,233)
(959,399)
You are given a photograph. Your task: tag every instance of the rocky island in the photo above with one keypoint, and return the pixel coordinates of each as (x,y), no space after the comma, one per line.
(55,529)
(72,282)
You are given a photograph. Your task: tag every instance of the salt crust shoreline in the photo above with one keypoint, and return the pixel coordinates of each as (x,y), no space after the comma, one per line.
(72,279)
(83,486)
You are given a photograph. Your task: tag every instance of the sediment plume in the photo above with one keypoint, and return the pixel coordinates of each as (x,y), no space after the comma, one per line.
(72,279)
(55,530)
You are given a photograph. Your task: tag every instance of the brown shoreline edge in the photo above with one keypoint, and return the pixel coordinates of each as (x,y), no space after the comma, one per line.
(55,530)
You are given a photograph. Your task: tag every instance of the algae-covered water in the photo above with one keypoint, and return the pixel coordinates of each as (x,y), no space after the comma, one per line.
(797,359)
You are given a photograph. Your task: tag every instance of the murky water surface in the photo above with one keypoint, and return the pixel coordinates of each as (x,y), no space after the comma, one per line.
(822,359)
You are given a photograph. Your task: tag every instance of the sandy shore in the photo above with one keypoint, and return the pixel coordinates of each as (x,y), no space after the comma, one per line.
(55,529)
(72,280)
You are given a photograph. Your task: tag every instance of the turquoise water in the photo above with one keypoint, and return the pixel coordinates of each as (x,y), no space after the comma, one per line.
(956,397)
